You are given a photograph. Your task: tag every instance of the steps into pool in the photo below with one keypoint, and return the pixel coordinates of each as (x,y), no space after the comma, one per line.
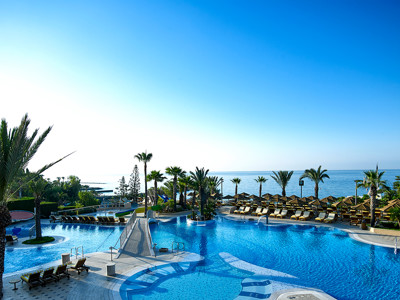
(146,278)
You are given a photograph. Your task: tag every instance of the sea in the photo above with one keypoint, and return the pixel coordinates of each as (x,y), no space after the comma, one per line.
(340,183)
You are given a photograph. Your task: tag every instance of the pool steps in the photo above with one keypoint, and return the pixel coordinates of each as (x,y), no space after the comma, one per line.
(152,276)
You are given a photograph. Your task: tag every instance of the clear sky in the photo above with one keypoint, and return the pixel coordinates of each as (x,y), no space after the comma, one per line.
(228,85)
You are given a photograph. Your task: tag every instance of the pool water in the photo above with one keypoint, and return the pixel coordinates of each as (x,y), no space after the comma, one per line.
(320,257)
(93,238)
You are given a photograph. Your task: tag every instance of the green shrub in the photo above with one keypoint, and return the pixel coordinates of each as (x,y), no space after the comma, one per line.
(26,203)
(47,207)
(44,239)
(121,214)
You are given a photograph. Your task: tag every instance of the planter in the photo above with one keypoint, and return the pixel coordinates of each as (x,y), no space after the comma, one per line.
(385,231)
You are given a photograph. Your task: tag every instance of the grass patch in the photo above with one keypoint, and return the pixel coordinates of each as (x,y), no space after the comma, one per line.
(43,240)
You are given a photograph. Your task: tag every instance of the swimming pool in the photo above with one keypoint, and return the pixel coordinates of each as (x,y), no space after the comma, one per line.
(93,239)
(319,257)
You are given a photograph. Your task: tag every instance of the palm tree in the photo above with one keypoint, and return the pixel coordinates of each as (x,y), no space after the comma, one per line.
(199,178)
(261,180)
(157,176)
(315,175)
(16,151)
(185,181)
(175,171)
(145,158)
(236,181)
(38,188)
(372,181)
(282,178)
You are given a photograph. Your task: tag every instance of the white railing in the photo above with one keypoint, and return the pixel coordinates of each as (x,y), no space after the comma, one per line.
(77,252)
(125,233)
(32,231)
(152,246)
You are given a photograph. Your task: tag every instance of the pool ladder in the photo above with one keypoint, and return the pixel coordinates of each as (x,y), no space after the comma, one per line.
(178,246)
(77,251)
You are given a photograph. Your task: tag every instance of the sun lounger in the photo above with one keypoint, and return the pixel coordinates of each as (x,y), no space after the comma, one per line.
(264,212)
(32,279)
(257,211)
(239,210)
(93,219)
(81,219)
(282,214)
(61,272)
(296,215)
(321,217)
(246,211)
(80,266)
(331,218)
(69,219)
(11,239)
(306,216)
(75,219)
(53,219)
(122,220)
(111,220)
(275,213)
(47,276)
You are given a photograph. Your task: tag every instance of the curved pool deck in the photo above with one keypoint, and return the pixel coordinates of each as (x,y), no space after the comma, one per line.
(97,285)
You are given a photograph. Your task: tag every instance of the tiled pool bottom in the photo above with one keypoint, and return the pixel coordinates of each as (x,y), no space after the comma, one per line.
(209,279)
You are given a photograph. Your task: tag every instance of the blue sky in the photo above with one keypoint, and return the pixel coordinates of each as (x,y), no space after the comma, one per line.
(229,85)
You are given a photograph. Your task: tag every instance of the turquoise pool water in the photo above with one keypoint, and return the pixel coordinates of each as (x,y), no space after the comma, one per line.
(320,257)
(93,238)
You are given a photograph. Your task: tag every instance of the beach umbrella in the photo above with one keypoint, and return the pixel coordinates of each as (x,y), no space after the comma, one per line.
(284,199)
(227,197)
(340,203)
(296,202)
(330,199)
(317,203)
(311,198)
(392,204)
(244,194)
(293,197)
(361,206)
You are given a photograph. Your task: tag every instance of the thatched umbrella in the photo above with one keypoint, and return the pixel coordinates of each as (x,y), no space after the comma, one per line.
(329,199)
(227,197)
(340,203)
(293,197)
(311,198)
(296,202)
(361,206)
(241,197)
(392,204)
(317,203)
(244,194)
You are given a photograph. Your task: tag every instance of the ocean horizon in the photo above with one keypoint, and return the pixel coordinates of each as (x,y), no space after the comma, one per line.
(341,182)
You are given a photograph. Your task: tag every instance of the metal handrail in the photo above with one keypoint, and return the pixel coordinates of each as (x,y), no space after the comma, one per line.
(31,230)
(177,246)
(125,233)
(77,251)
(152,246)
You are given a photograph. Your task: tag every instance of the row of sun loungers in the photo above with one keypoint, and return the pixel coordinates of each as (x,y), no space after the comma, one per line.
(42,277)
(92,220)
(300,215)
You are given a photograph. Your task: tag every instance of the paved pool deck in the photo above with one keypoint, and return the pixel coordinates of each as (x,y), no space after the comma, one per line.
(97,285)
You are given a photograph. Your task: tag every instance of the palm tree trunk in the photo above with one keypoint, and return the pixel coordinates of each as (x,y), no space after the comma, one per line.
(316,190)
(38,226)
(236,192)
(372,206)
(283,192)
(201,194)
(5,220)
(260,190)
(155,193)
(145,190)
(175,193)
(185,194)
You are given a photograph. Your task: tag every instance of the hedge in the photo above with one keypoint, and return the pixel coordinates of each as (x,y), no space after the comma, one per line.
(22,204)
(47,207)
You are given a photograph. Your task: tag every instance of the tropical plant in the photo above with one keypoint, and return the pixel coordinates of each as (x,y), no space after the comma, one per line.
(199,177)
(38,187)
(122,189)
(282,178)
(315,175)
(175,172)
(236,181)
(88,198)
(261,180)
(17,148)
(373,181)
(395,215)
(157,176)
(145,158)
